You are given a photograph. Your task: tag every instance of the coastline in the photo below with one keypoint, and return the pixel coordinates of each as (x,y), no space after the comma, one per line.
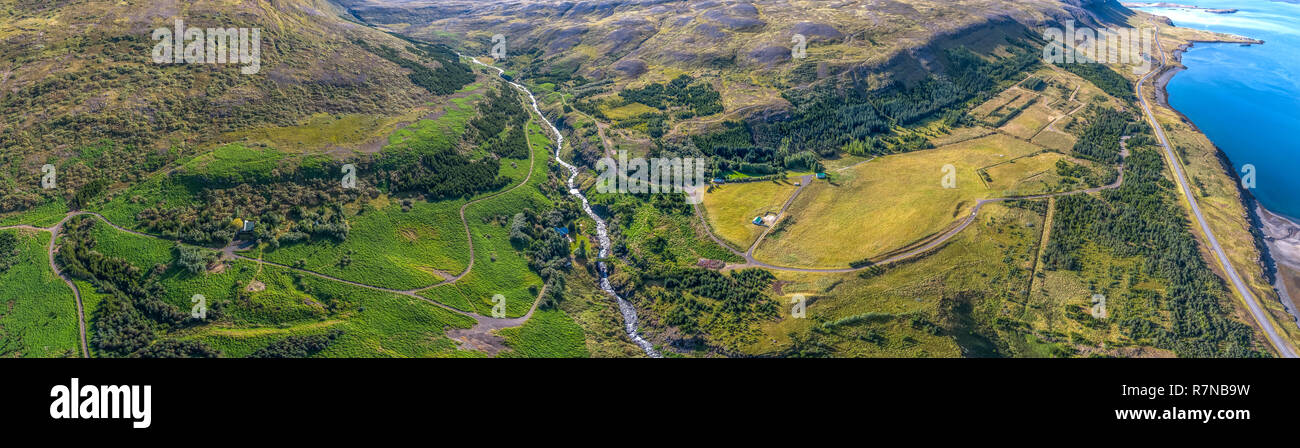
(1282,238)
(1278,235)
(1162,80)
(1179,6)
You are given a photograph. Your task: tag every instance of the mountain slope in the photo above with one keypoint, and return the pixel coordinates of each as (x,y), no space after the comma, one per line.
(627,39)
(77,73)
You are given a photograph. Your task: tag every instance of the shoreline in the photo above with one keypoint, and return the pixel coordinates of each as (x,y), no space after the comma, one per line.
(1180,6)
(1162,80)
(1279,234)
(1281,237)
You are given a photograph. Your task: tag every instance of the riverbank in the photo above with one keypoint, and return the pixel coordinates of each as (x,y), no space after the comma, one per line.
(1279,234)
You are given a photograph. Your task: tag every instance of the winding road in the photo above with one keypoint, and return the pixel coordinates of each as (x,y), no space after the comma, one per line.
(1283,346)
(478,335)
(49,250)
(483,325)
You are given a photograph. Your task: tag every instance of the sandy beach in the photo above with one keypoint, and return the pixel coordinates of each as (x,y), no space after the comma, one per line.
(1282,235)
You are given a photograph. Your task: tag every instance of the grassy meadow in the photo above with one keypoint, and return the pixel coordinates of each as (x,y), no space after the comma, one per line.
(548,334)
(731,208)
(390,247)
(44,215)
(941,305)
(498,267)
(889,203)
(374,324)
(1035,174)
(38,313)
(286,303)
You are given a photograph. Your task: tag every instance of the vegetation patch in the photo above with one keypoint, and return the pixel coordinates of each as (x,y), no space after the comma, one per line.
(731,208)
(887,204)
(550,333)
(38,313)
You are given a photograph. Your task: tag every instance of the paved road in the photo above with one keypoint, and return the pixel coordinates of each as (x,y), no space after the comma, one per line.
(1283,346)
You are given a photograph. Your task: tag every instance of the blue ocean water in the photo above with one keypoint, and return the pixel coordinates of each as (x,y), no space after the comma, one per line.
(1247,99)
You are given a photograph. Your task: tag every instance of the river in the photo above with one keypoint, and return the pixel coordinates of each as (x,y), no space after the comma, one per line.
(602,232)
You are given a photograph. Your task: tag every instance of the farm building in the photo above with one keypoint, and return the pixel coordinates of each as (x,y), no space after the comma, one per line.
(758,220)
(821,175)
